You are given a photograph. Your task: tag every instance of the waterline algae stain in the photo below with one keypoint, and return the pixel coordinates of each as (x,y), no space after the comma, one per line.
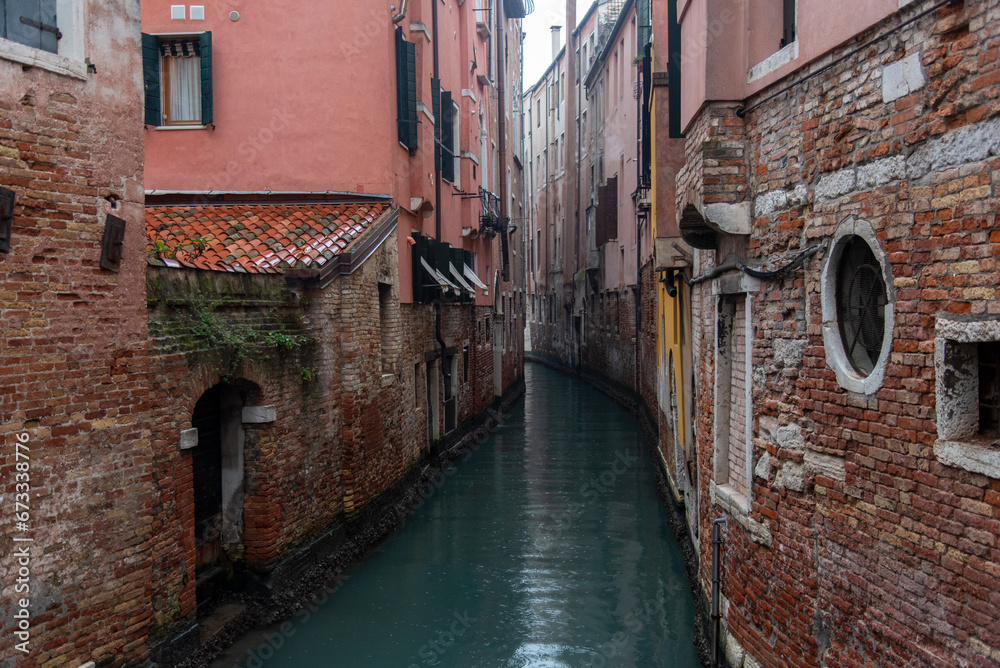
(548,546)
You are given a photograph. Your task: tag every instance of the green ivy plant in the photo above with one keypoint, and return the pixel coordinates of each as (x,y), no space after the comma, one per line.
(236,342)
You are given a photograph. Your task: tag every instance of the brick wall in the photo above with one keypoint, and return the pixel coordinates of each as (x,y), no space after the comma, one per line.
(200,324)
(864,544)
(73,342)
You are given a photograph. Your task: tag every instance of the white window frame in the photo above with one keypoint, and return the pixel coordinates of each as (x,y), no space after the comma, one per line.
(71,59)
(722,493)
(836,356)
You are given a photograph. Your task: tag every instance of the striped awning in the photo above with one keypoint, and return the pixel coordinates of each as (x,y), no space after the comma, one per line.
(179,48)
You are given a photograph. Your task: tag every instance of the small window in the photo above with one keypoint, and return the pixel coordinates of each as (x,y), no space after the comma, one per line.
(967,394)
(989,389)
(30,22)
(177,73)
(858,307)
(861,300)
(788,33)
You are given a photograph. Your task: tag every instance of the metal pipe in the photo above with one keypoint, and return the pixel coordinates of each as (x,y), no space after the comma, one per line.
(402,13)
(437,75)
(445,370)
(716,594)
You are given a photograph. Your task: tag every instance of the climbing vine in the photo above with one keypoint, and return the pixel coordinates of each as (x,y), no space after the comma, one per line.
(236,342)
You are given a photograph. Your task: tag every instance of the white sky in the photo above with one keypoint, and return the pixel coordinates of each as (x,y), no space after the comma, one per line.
(538,43)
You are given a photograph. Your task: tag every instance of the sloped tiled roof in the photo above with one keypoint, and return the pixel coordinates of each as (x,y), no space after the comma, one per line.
(257,238)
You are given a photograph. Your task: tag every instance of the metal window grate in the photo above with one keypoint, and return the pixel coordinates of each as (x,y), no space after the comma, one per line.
(861,300)
(989,388)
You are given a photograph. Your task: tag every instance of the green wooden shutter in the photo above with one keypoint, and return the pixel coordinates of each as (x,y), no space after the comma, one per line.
(411,94)
(406,91)
(447,137)
(207,105)
(436,109)
(151,79)
(401,133)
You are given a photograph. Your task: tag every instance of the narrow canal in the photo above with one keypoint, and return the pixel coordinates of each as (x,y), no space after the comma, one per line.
(546,546)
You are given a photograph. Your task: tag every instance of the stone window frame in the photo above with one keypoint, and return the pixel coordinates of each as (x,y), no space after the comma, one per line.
(71,59)
(722,493)
(956,371)
(836,356)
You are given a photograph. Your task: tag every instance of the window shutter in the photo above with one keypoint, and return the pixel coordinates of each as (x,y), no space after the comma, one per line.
(411,93)
(406,91)
(32,23)
(436,108)
(207,110)
(151,79)
(401,132)
(607,212)
(447,137)
(647,129)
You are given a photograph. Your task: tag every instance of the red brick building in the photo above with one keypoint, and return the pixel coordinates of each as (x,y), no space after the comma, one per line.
(842,195)
(74,377)
(821,370)
(336,293)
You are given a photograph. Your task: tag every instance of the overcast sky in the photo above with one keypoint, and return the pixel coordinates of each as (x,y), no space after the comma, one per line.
(538,43)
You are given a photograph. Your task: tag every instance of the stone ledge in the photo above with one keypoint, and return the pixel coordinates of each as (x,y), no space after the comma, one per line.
(975,457)
(731,501)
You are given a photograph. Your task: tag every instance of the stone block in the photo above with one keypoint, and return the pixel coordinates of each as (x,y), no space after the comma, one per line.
(791,476)
(836,184)
(903,77)
(259,414)
(189,438)
(790,437)
(789,353)
(763,468)
(729,218)
(829,466)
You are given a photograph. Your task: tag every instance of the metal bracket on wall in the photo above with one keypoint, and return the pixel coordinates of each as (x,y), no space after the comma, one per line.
(113,243)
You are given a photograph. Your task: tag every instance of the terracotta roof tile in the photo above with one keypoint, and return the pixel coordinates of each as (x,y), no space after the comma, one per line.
(258,238)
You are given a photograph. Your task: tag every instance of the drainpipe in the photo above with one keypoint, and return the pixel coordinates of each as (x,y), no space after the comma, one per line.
(716,582)
(445,372)
(437,75)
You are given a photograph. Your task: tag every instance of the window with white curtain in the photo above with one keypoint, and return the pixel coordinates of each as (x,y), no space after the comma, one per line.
(181,75)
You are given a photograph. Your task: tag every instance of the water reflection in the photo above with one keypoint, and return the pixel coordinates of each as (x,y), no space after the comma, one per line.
(548,547)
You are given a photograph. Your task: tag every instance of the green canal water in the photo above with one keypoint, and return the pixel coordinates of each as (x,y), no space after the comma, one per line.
(546,546)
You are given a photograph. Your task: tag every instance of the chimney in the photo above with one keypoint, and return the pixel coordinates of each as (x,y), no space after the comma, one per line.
(556,40)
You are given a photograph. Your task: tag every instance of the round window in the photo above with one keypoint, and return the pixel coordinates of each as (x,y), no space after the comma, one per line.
(861,300)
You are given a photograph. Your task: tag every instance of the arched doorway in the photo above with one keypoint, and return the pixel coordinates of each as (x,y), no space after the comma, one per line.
(217,480)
